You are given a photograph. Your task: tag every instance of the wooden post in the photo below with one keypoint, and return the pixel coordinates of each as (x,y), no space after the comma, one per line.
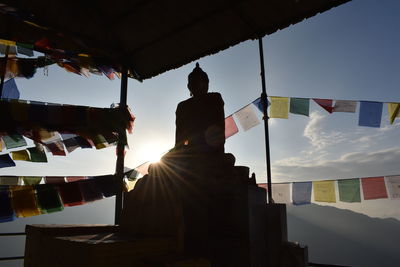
(264,102)
(119,172)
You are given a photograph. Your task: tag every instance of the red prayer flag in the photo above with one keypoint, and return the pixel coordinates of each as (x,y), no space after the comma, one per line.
(71,194)
(325,104)
(54,179)
(374,188)
(56,148)
(230,127)
(263,185)
(75,178)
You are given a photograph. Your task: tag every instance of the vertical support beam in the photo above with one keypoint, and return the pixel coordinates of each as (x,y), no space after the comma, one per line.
(119,172)
(264,102)
(3,71)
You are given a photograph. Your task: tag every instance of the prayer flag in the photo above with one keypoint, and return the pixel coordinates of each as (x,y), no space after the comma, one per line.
(7,42)
(37,154)
(71,194)
(345,106)
(23,200)
(301,193)
(111,138)
(90,191)
(71,179)
(132,175)
(106,185)
(230,127)
(349,190)
(263,185)
(393,110)
(247,117)
(300,106)
(325,104)
(99,141)
(144,168)
(259,105)
(14,141)
(56,148)
(279,107)
(71,144)
(374,188)
(82,142)
(370,114)
(31,180)
(45,136)
(10,90)
(324,191)
(48,198)
(281,193)
(25,51)
(393,184)
(20,155)
(11,49)
(54,180)
(6,161)
(10,180)
(108,71)
(6,210)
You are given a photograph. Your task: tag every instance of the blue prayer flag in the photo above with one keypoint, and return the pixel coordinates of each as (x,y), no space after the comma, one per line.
(6,161)
(370,114)
(10,90)
(6,210)
(259,105)
(301,193)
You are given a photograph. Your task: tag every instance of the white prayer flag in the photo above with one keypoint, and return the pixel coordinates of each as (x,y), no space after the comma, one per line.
(281,193)
(144,168)
(247,117)
(393,184)
(345,106)
(10,180)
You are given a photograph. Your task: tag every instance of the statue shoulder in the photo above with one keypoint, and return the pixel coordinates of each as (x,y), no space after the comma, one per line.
(216,97)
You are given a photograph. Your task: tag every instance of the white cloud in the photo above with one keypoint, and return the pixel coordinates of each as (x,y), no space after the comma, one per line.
(320,139)
(354,164)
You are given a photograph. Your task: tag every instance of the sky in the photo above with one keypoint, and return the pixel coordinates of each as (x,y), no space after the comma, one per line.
(350,52)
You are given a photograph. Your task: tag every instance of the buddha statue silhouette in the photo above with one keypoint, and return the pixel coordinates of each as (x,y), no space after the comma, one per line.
(200,120)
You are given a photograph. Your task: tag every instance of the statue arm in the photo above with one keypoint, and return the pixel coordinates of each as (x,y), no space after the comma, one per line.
(179,135)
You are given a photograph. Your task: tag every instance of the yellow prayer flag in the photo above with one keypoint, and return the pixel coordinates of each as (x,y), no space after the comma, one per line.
(7,42)
(279,107)
(24,201)
(324,191)
(20,155)
(393,110)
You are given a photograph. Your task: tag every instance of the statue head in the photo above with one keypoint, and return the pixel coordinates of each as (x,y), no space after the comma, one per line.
(197,81)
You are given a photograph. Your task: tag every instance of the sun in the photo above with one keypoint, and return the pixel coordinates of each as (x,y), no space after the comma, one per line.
(152,152)
(154,157)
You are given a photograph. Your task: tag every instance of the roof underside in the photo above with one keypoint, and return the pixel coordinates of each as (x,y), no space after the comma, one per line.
(154,36)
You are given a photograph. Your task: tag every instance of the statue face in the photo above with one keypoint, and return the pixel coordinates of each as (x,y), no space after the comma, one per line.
(198,86)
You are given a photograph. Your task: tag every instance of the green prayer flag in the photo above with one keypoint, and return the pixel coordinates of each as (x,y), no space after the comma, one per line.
(349,190)
(14,141)
(37,155)
(30,46)
(31,180)
(48,198)
(300,106)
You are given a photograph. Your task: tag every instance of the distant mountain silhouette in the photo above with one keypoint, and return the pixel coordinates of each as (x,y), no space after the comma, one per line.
(337,236)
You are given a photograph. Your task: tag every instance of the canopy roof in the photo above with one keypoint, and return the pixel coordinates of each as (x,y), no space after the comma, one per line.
(151,36)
